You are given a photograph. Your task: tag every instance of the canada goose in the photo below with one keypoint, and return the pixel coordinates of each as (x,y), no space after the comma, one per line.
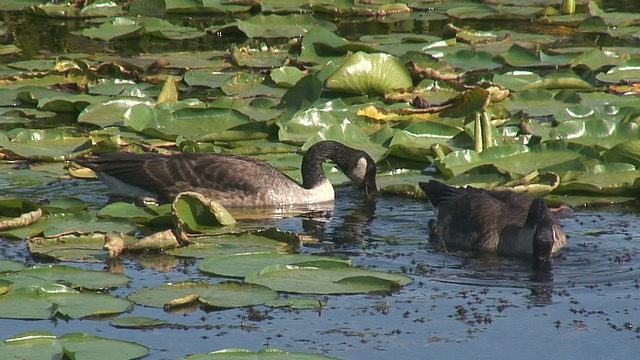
(232,180)
(505,222)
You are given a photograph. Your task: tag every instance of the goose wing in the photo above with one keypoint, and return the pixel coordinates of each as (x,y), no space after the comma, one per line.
(210,174)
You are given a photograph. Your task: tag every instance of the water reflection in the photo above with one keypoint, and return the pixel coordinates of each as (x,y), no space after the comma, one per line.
(351,229)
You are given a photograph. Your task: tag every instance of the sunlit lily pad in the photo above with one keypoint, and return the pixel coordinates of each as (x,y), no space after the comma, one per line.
(615,179)
(196,213)
(44,144)
(119,28)
(626,72)
(281,26)
(363,73)
(515,159)
(39,345)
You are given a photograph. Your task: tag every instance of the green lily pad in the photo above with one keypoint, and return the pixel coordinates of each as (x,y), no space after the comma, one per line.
(363,73)
(615,179)
(267,241)
(599,133)
(195,213)
(35,345)
(229,294)
(72,276)
(66,223)
(10,266)
(94,347)
(514,159)
(281,26)
(119,28)
(239,265)
(45,302)
(44,144)
(83,248)
(225,294)
(313,280)
(629,71)
(626,152)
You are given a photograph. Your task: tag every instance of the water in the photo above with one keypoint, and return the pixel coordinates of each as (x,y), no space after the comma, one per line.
(458,306)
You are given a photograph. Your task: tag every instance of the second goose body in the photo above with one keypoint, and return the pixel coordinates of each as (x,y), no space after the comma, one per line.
(232,180)
(504,222)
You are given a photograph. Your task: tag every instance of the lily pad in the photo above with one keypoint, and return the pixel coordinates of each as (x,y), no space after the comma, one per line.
(240,265)
(72,276)
(313,280)
(137,322)
(363,73)
(223,245)
(44,302)
(196,213)
(83,248)
(225,294)
(281,26)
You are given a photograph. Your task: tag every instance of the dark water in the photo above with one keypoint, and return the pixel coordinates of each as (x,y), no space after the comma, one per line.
(458,306)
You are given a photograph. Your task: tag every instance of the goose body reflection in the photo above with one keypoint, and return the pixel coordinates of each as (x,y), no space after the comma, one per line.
(504,222)
(232,180)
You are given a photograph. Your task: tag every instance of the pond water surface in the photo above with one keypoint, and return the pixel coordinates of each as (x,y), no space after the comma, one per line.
(458,306)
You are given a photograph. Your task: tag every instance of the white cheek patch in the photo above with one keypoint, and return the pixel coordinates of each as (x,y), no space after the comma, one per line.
(359,171)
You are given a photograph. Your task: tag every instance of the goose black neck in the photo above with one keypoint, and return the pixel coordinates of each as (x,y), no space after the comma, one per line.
(312,172)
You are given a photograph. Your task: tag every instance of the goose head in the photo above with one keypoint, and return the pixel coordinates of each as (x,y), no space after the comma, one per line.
(360,168)
(356,164)
(545,234)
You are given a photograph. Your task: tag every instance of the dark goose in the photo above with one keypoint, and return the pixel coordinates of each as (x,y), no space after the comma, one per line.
(232,180)
(505,222)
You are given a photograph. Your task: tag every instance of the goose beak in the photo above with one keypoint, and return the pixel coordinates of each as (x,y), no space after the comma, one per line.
(370,187)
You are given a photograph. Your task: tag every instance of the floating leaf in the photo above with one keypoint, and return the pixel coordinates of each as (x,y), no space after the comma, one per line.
(94,347)
(137,322)
(312,280)
(363,73)
(197,213)
(225,294)
(83,248)
(240,265)
(74,277)
(281,26)
(266,241)
(119,28)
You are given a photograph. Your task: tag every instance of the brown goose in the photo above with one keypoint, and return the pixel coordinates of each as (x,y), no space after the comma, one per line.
(504,222)
(232,180)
